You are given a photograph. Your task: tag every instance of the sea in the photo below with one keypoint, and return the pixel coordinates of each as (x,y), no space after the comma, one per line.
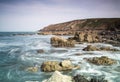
(18,51)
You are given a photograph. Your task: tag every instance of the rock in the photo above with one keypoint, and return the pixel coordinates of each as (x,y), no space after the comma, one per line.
(103,60)
(50,66)
(98,80)
(94,48)
(91,48)
(79,78)
(32,69)
(58,77)
(66,63)
(86,37)
(57,41)
(40,51)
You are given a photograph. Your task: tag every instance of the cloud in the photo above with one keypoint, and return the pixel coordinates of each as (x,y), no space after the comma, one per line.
(35,14)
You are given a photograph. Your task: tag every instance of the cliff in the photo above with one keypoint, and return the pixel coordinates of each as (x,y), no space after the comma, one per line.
(85,24)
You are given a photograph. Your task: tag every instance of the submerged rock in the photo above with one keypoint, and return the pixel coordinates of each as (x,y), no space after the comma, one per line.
(32,69)
(55,65)
(94,48)
(103,60)
(58,77)
(40,51)
(57,41)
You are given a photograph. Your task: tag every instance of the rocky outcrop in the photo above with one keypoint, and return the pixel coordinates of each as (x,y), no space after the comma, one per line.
(103,60)
(58,77)
(57,41)
(50,66)
(94,48)
(89,37)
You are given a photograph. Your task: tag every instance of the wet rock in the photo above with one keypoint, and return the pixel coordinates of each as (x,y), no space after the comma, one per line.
(60,66)
(40,51)
(51,66)
(91,48)
(79,78)
(58,51)
(103,60)
(98,79)
(94,48)
(66,63)
(58,77)
(57,41)
(32,69)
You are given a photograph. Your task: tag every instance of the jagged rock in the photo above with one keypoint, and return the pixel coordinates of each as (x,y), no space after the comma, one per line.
(98,79)
(79,78)
(60,66)
(32,69)
(57,41)
(94,48)
(86,37)
(58,77)
(103,60)
(40,51)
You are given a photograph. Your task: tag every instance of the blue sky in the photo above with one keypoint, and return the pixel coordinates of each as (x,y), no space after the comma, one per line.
(32,15)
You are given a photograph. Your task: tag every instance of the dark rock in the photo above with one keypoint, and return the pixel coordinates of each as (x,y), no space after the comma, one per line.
(79,78)
(40,51)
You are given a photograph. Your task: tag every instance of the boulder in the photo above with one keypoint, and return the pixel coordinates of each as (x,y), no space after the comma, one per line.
(91,48)
(103,60)
(57,41)
(58,77)
(50,66)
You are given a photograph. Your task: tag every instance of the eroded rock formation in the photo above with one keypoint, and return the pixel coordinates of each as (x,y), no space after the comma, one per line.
(57,41)
(50,66)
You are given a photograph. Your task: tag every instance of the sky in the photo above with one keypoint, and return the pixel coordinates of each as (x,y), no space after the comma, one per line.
(32,15)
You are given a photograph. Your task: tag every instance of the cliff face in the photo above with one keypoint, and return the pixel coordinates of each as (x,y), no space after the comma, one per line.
(85,24)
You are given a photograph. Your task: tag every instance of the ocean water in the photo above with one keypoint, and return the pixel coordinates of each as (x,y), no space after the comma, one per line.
(18,51)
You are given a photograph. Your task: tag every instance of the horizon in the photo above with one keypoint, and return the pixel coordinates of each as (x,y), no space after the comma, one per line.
(28,15)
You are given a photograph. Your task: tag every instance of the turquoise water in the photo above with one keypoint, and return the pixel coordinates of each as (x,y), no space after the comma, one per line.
(18,51)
